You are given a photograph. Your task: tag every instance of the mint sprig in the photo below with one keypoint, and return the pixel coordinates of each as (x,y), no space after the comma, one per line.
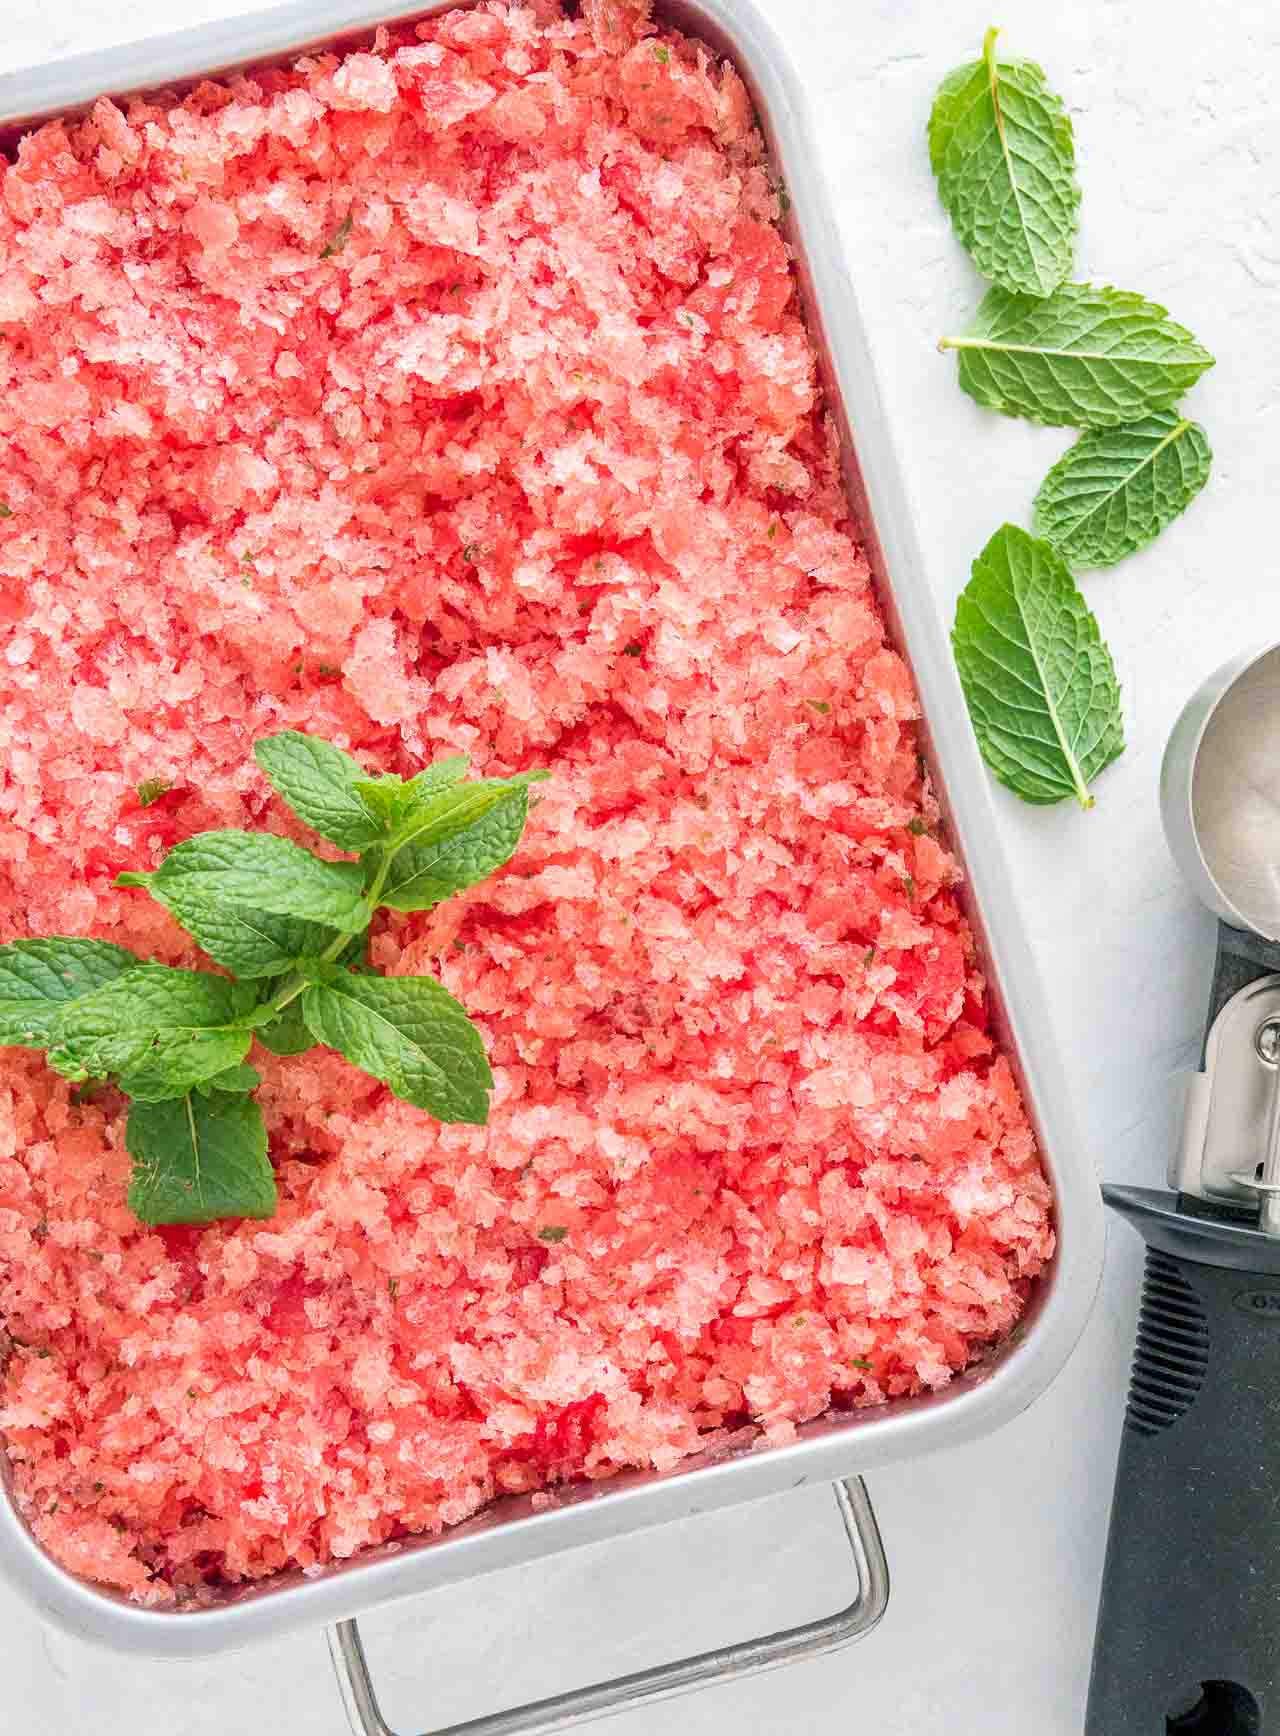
(292,928)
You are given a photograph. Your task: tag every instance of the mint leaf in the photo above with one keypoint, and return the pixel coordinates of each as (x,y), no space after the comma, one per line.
(40,979)
(262,872)
(196,1160)
(175,1061)
(318,781)
(239,1080)
(1084,357)
(338,240)
(1116,489)
(250,943)
(393,799)
(387,799)
(410,1033)
(1001,146)
(439,775)
(161,1030)
(287,1034)
(1038,681)
(458,838)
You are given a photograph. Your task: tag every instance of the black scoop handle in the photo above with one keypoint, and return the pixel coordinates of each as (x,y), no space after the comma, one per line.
(1188,1638)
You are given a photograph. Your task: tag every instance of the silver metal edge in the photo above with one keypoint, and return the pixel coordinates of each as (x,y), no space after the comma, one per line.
(1176,775)
(974,1404)
(732,1663)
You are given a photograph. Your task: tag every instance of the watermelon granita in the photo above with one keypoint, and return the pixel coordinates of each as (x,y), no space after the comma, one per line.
(453,395)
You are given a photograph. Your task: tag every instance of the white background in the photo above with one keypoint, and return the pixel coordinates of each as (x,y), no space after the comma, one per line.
(995,1548)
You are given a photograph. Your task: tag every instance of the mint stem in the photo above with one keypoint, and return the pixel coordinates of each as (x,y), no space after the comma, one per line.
(297,983)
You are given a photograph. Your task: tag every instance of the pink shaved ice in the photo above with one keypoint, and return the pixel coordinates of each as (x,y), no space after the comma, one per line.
(454,396)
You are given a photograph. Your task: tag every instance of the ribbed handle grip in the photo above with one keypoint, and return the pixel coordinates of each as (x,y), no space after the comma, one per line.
(1172,1354)
(1188,1640)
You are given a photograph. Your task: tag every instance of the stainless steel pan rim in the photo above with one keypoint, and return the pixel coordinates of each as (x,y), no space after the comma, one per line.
(830,1449)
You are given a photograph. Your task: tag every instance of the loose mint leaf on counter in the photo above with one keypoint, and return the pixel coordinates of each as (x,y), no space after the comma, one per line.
(410,1033)
(1039,683)
(1117,488)
(197,1159)
(1084,357)
(1001,146)
(40,979)
(262,872)
(318,780)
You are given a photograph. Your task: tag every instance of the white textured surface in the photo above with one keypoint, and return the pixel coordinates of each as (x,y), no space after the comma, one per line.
(995,1548)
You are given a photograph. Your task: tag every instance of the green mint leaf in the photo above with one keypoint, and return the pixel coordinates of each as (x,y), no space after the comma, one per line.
(287,1033)
(338,240)
(151,789)
(160,1029)
(553,1233)
(386,799)
(393,799)
(1116,489)
(1039,682)
(239,1080)
(410,1033)
(1085,357)
(197,1160)
(262,872)
(319,783)
(249,943)
(41,979)
(175,1061)
(1001,147)
(457,839)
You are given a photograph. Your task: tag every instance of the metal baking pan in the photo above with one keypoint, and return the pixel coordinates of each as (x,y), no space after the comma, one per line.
(510,1531)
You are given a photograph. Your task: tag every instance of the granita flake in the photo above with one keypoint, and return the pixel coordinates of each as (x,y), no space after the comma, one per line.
(454,396)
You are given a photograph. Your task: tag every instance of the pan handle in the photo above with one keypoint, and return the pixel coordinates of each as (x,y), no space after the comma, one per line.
(665,1681)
